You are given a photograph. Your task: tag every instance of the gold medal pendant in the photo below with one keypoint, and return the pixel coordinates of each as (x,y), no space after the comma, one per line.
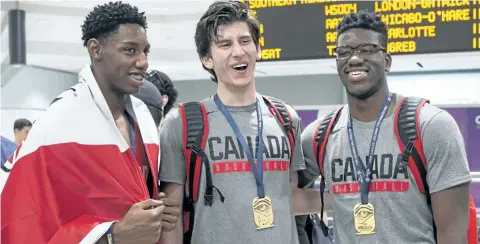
(364,216)
(262,212)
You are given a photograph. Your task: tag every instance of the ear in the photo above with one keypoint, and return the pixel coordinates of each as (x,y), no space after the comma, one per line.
(207,61)
(259,52)
(164,99)
(94,49)
(388,62)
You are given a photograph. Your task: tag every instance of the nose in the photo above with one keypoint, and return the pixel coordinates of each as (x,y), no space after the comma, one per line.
(355,60)
(142,62)
(237,50)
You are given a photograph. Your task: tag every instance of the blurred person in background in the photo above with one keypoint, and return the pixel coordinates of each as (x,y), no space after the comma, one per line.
(8,147)
(395,211)
(87,173)
(21,127)
(149,94)
(166,88)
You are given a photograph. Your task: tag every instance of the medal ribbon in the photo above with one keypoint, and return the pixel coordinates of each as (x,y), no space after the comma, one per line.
(257,169)
(364,172)
(132,133)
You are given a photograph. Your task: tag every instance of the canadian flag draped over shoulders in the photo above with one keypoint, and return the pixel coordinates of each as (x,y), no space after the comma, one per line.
(75,174)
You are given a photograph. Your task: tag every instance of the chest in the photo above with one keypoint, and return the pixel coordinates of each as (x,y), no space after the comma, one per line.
(223,143)
(388,171)
(123,126)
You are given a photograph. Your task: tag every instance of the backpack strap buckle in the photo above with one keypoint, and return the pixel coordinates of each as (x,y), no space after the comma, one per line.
(407,152)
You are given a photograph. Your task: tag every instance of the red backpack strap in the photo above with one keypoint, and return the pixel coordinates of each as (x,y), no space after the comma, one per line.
(195,133)
(409,139)
(472,232)
(320,140)
(194,137)
(320,137)
(407,132)
(279,109)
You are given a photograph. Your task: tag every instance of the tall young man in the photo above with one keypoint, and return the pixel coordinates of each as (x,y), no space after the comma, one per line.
(91,161)
(382,191)
(227,40)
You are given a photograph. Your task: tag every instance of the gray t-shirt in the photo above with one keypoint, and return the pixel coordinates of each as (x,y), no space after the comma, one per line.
(401,211)
(232,221)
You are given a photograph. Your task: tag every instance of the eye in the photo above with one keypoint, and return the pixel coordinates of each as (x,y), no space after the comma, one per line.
(147,51)
(343,52)
(245,41)
(366,49)
(130,50)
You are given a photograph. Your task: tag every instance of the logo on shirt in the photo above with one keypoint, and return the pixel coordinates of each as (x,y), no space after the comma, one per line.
(388,175)
(477,121)
(229,156)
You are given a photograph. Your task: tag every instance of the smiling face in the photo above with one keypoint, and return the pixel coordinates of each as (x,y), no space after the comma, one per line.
(362,62)
(233,56)
(122,58)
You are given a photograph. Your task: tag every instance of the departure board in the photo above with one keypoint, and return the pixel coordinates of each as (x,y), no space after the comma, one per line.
(306,29)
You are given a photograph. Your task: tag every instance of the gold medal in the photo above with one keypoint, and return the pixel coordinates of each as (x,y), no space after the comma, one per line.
(364,216)
(262,212)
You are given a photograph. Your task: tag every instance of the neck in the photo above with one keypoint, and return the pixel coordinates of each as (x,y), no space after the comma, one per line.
(18,141)
(232,96)
(367,110)
(115,100)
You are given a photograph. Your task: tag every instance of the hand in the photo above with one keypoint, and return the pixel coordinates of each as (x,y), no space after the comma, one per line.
(141,224)
(171,213)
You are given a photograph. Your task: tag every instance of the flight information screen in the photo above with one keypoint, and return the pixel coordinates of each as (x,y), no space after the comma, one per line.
(306,29)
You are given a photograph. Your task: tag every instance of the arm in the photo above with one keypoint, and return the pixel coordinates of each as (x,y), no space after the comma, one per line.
(172,170)
(309,176)
(448,176)
(305,199)
(450,211)
(175,192)
(311,173)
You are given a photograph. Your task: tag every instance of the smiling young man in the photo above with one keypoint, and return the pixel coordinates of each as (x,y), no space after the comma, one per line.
(246,207)
(375,195)
(91,161)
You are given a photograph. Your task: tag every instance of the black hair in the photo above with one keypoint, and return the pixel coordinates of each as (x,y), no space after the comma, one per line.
(19,124)
(365,20)
(222,13)
(165,85)
(105,19)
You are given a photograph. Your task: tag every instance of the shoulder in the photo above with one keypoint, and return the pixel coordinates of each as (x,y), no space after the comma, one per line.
(310,128)
(436,120)
(58,122)
(172,120)
(293,113)
(289,109)
(62,108)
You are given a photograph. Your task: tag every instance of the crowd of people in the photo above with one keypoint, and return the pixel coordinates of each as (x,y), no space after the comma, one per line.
(115,160)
